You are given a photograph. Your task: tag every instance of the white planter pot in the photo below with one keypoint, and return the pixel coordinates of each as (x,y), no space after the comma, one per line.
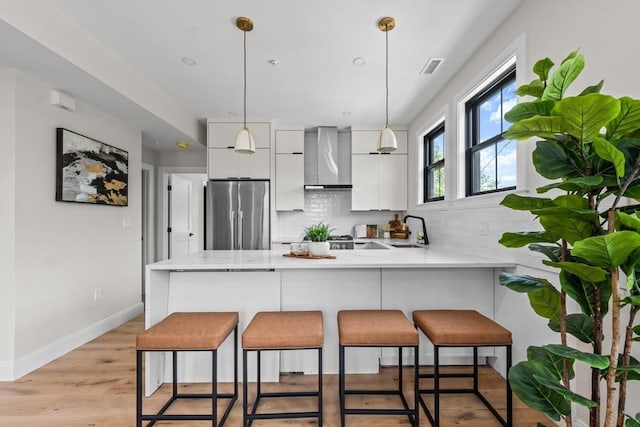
(319,248)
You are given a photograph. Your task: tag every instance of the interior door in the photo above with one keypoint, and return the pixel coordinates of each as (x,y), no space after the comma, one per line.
(179,216)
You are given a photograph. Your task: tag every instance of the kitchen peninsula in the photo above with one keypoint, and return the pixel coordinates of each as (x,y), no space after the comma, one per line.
(265,280)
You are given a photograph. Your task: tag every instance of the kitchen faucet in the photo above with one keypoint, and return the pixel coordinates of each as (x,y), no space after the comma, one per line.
(423,240)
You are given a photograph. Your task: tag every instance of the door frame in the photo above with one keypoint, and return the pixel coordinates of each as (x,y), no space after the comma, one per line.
(162,247)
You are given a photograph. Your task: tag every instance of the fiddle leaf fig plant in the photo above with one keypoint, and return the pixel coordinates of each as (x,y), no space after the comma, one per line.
(588,147)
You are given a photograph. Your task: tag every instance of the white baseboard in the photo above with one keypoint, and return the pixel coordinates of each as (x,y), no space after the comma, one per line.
(12,370)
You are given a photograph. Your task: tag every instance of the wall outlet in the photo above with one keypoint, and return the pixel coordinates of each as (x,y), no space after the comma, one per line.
(97,294)
(126,224)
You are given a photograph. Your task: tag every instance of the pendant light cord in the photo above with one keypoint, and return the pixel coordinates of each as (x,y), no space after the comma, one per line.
(386,33)
(244,114)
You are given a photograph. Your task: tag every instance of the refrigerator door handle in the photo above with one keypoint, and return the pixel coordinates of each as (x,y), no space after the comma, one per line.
(233,231)
(240,228)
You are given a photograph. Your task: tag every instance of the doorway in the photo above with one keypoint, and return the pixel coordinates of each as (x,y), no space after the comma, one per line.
(185,231)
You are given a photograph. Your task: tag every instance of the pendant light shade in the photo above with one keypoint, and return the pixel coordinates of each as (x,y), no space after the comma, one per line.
(387,141)
(244,140)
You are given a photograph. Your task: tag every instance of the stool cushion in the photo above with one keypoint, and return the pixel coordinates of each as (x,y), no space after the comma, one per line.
(375,328)
(284,330)
(188,331)
(460,328)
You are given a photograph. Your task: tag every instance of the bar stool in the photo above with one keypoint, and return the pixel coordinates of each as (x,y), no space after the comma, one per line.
(193,331)
(377,328)
(275,331)
(461,328)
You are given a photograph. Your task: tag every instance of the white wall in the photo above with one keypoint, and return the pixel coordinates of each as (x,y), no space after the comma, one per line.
(64,251)
(601,29)
(7,213)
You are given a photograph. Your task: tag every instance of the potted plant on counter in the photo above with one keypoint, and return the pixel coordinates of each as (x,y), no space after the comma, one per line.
(588,146)
(318,235)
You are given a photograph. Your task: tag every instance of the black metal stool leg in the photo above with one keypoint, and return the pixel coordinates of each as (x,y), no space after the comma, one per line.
(139,354)
(416,384)
(320,397)
(509,395)
(174,360)
(341,384)
(245,386)
(214,388)
(436,387)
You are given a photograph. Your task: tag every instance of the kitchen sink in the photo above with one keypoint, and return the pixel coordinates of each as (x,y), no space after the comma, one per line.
(405,245)
(369,245)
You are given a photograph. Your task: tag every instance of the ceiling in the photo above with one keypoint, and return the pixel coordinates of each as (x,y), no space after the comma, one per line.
(313,42)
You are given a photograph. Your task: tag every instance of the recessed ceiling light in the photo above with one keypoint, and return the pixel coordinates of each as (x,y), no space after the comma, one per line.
(274,61)
(359,60)
(182,144)
(346,113)
(232,113)
(188,61)
(431,66)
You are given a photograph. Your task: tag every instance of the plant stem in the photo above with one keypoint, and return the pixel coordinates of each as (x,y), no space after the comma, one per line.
(615,333)
(626,357)
(594,413)
(563,335)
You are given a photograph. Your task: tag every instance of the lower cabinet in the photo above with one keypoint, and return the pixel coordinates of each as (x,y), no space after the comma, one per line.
(331,291)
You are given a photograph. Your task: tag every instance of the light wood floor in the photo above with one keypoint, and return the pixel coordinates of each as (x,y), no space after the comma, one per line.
(95,386)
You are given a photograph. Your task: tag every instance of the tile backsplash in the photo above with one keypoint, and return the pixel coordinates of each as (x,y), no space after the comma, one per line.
(330,207)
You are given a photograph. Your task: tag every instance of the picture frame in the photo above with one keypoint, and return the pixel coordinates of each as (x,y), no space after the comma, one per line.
(90,171)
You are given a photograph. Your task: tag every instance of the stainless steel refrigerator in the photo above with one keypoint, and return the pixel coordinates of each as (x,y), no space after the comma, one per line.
(237,214)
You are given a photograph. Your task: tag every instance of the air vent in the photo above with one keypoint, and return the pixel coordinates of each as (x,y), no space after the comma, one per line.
(431,66)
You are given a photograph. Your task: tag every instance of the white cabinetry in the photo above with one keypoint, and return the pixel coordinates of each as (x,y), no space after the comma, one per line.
(223,162)
(289,170)
(379,180)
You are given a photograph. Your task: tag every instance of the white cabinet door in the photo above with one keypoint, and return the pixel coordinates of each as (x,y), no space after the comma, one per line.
(289,141)
(392,173)
(223,135)
(366,141)
(289,182)
(364,178)
(224,163)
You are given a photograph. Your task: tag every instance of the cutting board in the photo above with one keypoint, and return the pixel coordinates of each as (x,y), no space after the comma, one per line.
(310,256)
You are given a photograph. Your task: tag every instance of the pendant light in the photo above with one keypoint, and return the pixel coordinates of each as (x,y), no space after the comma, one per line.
(244,142)
(387,141)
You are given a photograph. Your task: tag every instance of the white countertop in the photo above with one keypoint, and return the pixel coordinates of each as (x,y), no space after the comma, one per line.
(356,258)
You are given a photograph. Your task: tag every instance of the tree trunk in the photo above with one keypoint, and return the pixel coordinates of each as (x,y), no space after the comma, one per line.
(615,335)
(563,337)
(594,413)
(626,357)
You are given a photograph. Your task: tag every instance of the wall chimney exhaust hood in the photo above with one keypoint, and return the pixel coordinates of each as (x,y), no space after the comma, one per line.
(327,160)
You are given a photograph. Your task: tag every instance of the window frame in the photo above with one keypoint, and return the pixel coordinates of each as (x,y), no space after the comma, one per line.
(472,115)
(428,164)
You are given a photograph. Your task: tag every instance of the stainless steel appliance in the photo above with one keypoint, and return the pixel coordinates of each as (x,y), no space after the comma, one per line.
(237,214)
(340,242)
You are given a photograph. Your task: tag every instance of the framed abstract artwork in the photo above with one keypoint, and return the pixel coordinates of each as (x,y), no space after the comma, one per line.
(90,171)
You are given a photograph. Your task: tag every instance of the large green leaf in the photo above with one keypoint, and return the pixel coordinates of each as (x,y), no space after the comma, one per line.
(594,360)
(535,89)
(586,115)
(544,298)
(523,203)
(525,110)
(523,238)
(551,161)
(607,151)
(628,121)
(579,325)
(627,222)
(550,361)
(631,422)
(583,292)
(563,77)
(608,251)
(636,330)
(542,126)
(583,271)
(568,394)
(552,252)
(534,394)
(585,215)
(571,201)
(542,68)
(593,89)
(581,184)
(570,229)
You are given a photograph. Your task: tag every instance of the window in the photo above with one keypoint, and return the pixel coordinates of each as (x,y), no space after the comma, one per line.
(433,177)
(491,160)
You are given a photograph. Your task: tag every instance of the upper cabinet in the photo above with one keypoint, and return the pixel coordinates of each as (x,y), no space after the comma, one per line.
(289,170)
(224,163)
(366,141)
(379,180)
